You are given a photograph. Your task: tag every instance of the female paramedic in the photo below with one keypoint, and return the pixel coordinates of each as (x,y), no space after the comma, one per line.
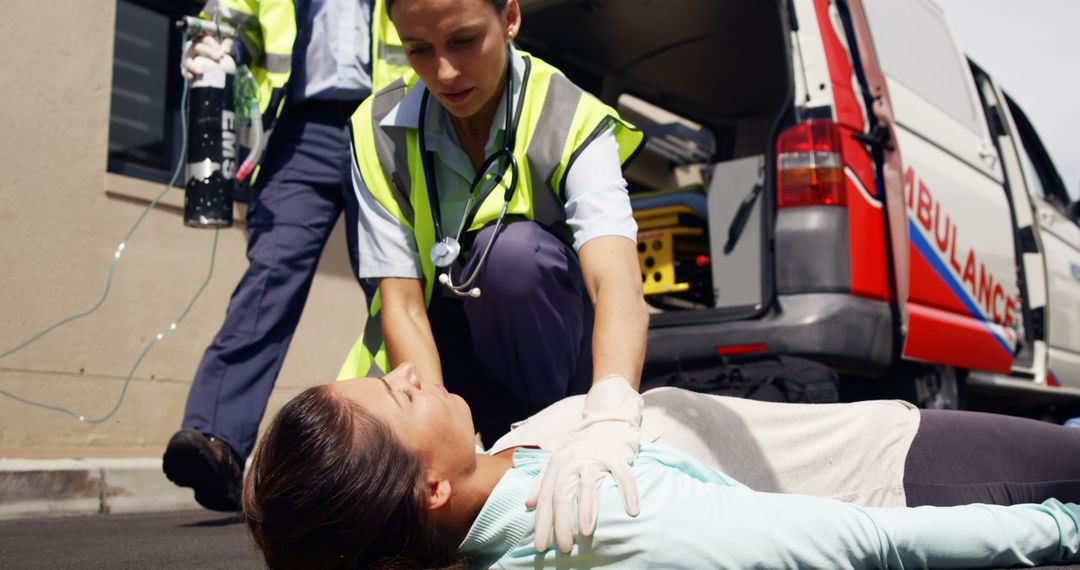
(494,215)
(382,473)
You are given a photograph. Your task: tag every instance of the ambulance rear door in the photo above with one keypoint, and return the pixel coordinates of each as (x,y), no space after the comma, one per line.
(1030,359)
(1060,239)
(962,290)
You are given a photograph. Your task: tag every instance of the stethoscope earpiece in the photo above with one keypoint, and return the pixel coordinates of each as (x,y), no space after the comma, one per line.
(444,278)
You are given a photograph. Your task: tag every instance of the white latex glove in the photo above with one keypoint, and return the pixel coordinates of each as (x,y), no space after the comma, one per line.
(605,442)
(204,46)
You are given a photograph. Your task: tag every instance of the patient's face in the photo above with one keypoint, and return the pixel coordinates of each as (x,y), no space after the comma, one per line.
(428,420)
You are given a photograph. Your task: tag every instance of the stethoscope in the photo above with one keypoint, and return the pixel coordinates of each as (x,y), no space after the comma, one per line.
(446,249)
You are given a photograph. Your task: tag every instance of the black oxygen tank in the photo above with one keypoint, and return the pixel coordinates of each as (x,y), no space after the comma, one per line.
(211,146)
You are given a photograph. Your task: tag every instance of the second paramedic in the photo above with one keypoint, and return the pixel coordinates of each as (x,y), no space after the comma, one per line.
(312,61)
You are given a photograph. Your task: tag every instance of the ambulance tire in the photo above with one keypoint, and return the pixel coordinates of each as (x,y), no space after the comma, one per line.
(934,387)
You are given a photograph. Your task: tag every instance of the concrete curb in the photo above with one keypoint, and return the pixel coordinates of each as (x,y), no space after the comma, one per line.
(46,487)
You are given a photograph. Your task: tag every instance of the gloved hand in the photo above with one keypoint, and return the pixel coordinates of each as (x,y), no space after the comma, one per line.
(606,441)
(206,45)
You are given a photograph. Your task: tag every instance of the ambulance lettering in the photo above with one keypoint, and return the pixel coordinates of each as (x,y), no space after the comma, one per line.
(986,291)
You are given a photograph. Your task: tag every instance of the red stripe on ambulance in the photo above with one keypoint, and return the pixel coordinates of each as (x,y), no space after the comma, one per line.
(944,234)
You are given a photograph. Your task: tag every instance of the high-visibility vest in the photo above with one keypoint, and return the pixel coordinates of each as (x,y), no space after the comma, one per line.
(267,29)
(388,55)
(554,121)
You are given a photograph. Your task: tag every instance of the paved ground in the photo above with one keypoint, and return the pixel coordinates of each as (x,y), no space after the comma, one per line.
(185,539)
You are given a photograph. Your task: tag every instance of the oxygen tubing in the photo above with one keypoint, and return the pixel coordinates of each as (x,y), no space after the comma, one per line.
(256,135)
(108,284)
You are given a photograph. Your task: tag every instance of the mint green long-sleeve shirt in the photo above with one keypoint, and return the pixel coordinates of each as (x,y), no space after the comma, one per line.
(693,516)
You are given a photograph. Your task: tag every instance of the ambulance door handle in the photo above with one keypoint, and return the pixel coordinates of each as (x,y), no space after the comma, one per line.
(988,155)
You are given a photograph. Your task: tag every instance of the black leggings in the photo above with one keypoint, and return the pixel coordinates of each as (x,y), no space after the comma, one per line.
(969,457)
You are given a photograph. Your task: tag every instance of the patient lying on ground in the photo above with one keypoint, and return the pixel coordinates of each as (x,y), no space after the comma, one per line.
(383,473)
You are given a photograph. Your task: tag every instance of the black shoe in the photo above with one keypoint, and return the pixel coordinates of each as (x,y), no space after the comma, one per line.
(207,465)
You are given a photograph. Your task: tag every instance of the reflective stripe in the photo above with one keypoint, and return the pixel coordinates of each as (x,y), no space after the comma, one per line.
(391,147)
(388,62)
(393,55)
(546,147)
(373,341)
(246,24)
(368,355)
(234,14)
(278,62)
(242,21)
(596,132)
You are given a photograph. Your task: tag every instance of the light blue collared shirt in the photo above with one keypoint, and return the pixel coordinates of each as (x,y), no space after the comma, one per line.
(332,55)
(692,516)
(597,203)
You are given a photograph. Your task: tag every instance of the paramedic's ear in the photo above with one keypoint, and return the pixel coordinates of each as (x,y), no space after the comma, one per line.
(438,494)
(511,18)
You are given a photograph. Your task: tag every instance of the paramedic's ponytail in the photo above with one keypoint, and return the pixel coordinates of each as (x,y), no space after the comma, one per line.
(331,487)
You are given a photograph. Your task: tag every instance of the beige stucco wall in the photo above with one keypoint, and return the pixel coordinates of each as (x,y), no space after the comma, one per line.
(61,218)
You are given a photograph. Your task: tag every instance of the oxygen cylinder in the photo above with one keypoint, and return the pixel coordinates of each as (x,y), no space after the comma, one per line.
(211,146)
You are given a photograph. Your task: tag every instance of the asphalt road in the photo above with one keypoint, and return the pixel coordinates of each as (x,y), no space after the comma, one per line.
(187,539)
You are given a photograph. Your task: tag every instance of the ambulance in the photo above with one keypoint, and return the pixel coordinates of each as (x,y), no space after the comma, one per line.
(833,179)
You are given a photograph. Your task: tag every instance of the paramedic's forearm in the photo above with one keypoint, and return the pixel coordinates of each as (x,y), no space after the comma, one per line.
(613,279)
(406,328)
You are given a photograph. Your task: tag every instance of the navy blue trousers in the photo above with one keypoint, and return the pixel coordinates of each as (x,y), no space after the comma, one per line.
(529,341)
(303,186)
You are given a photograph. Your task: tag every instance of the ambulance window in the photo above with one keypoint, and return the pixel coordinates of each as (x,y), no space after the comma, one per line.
(916,49)
(144,115)
(1045,181)
(1035,180)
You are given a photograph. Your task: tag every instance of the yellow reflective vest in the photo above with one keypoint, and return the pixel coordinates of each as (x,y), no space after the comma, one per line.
(267,29)
(554,121)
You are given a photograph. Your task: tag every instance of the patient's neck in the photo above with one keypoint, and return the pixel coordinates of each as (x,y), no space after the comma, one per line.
(468,495)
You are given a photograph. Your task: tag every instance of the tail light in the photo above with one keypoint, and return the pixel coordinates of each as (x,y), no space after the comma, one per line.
(810,166)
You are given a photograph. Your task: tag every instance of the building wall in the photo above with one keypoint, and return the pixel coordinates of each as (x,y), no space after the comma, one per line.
(61,219)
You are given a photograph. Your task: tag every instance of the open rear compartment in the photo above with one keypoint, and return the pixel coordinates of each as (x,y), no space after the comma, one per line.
(708,81)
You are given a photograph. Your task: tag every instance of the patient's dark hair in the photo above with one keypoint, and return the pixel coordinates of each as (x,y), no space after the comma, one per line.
(330,486)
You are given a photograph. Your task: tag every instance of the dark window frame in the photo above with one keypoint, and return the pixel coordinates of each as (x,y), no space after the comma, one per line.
(1057,195)
(173,9)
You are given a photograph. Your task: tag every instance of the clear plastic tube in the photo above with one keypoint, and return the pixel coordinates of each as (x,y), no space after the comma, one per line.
(256,129)
(256,144)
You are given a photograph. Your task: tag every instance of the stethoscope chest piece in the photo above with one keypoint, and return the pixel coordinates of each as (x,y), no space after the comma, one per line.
(445,252)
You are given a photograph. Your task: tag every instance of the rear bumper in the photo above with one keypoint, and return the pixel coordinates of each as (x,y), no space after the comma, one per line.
(838,328)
